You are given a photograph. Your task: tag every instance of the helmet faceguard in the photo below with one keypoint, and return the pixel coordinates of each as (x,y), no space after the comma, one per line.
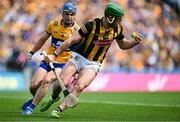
(68,12)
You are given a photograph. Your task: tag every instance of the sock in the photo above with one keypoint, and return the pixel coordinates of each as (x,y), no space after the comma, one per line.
(53,98)
(58,109)
(32,106)
(27,103)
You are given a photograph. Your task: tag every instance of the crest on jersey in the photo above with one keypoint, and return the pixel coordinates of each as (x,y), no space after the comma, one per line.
(65,35)
(76,58)
(106,36)
(106,41)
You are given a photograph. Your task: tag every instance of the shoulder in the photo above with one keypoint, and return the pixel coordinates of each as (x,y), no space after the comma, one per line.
(92,22)
(76,26)
(118,30)
(97,19)
(89,25)
(54,22)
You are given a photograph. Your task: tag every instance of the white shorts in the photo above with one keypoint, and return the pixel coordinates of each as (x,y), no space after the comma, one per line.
(82,63)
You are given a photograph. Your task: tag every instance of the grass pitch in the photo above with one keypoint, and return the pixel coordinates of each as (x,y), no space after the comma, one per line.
(99,107)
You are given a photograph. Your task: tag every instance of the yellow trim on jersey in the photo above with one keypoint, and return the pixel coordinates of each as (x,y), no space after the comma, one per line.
(93,52)
(100,58)
(119,28)
(101,34)
(84,29)
(111,33)
(90,38)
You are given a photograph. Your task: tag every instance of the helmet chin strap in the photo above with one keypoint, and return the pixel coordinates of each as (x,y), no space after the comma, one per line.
(110,21)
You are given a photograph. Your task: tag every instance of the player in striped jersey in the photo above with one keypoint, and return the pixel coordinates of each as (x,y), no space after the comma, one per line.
(94,40)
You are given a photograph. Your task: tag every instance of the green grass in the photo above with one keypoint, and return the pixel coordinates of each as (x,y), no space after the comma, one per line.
(100,107)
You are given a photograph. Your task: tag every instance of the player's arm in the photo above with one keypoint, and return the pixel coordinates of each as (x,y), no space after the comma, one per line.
(127,44)
(124,43)
(37,46)
(66,44)
(76,38)
(41,41)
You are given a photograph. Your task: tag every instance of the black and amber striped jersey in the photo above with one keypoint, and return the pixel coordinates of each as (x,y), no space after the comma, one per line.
(97,40)
(59,34)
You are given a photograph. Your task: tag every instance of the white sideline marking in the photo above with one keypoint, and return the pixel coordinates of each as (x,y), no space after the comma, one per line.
(103,102)
(123,103)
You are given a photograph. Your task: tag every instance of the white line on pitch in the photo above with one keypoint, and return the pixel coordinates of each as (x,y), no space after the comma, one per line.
(123,103)
(105,102)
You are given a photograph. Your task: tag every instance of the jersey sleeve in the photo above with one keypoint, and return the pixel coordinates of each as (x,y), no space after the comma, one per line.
(120,36)
(76,27)
(49,27)
(86,29)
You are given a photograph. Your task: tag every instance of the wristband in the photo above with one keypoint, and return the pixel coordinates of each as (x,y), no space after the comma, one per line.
(31,52)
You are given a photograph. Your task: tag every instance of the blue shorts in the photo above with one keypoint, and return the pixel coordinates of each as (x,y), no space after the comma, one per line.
(46,66)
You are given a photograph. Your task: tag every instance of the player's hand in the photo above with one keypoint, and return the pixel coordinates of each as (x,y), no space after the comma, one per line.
(136,36)
(49,58)
(28,58)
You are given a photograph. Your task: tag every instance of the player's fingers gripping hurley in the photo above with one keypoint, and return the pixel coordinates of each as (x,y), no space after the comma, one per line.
(48,58)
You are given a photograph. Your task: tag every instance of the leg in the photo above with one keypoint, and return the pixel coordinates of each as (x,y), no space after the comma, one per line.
(37,79)
(44,87)
(86,76)
(56,90)
(68,72)
(56,87)
(65,77)
(41,93)
(55,95)
(35,84)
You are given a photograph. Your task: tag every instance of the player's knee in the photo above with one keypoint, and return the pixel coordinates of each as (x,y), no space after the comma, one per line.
(46,82)
(34,85)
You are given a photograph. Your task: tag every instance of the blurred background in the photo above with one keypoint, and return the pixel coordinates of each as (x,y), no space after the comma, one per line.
(157,58)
